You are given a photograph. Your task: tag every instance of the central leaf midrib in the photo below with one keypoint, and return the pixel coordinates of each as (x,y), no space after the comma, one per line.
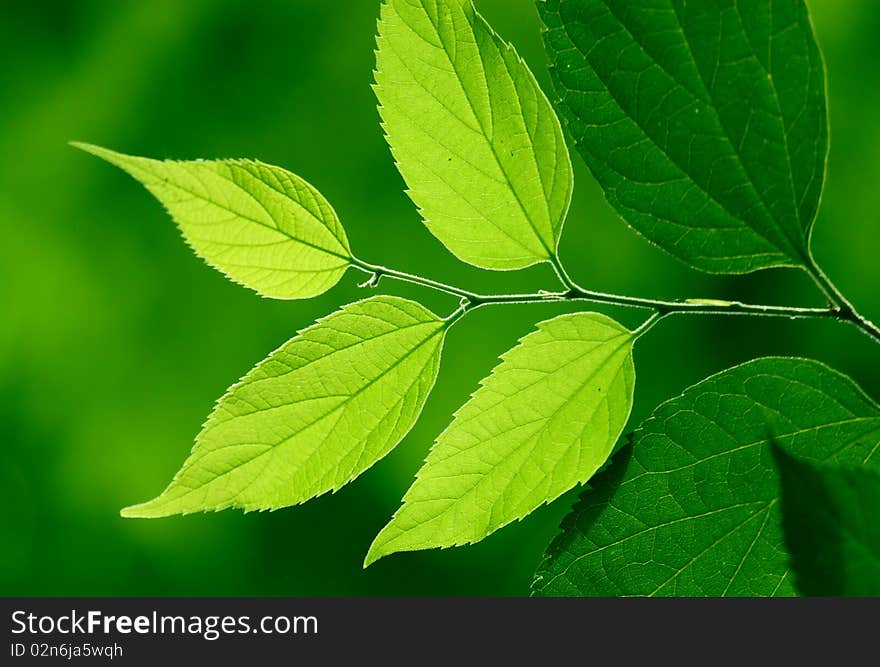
(335,231)
(712,107)
(198,197)
(798,201)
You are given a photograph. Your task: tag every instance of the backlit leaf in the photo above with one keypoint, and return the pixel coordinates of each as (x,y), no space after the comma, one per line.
(475,138)
(315,414)
(260,225)
(544,421)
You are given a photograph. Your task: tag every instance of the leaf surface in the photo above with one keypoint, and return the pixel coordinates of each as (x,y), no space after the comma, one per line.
(260,225)
(474,137)
(544,421)
(692,508)
(315,414)
(704,122)
(831,528)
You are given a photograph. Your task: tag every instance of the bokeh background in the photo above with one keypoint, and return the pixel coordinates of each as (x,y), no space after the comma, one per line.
(115,340)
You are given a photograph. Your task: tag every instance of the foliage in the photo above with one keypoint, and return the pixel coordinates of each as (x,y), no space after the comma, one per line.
(473,135)
(315,414)
(705,124)
(693,505)
(545,420)
(260,225)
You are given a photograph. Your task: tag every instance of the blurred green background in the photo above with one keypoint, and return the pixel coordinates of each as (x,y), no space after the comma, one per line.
(116,339)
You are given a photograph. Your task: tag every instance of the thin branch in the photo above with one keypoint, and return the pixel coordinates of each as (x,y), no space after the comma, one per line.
(840,311)
(648,324)
(845,310)
(376,274)
(559,269)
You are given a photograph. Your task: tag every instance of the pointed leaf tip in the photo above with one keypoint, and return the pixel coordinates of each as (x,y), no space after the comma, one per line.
(151,509)
(373,555)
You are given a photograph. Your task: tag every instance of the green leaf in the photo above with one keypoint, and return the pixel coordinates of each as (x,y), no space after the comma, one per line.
(474,137)
(704,122)
(692,508)
(313,416)
(544,421)
(829,515)
(262,226)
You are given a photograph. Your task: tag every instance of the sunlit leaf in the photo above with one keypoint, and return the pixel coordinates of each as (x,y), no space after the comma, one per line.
(544,421)
(315,414)
(260,225)
(475,138)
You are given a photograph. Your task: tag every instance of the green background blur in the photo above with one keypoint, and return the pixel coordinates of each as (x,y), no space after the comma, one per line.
(115,339)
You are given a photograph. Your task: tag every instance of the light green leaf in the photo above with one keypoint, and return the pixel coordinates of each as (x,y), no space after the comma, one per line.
(544,421)
(313,416)
(262,226)
(474,137)
(830,517)
(704,122)
(692,508)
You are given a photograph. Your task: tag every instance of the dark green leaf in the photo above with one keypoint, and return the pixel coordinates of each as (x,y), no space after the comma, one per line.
(705,122)
(692,508)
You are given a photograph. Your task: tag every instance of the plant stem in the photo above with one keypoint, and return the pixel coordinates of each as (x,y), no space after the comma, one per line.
(564,278)
(845,310)
(648,324)
(840,311)
(378,272)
